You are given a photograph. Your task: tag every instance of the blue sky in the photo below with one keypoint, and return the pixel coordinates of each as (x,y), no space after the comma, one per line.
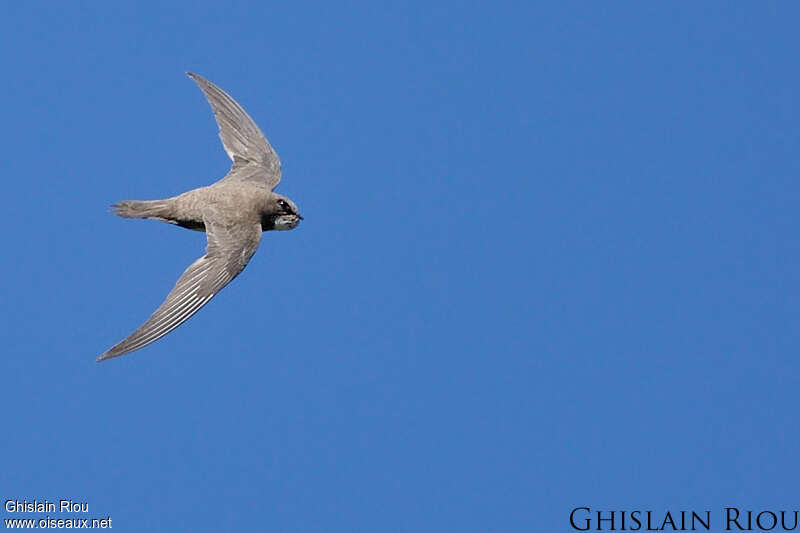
(549,260)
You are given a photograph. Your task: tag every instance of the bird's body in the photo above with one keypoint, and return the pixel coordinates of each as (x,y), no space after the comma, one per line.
(236,203)
(233,212)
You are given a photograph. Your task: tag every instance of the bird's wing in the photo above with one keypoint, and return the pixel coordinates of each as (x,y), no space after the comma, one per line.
(253,157)
(229,249)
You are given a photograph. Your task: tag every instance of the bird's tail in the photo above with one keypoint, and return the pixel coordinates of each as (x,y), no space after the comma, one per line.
(158,209)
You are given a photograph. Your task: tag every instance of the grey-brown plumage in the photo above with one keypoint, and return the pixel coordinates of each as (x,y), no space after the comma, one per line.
(233,212)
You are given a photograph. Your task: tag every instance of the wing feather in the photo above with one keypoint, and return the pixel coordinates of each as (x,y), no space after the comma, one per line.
(228,252)
(253,157)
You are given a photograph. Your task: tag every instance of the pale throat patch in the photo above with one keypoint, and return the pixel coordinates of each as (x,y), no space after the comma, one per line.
(286,222)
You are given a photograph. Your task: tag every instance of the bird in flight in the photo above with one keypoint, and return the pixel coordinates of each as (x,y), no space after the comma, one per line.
(233,212)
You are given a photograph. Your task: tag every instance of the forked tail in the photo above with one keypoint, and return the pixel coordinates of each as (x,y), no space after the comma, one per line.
(158,209)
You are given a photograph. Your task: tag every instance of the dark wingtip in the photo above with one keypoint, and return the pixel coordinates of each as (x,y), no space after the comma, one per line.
(108,354)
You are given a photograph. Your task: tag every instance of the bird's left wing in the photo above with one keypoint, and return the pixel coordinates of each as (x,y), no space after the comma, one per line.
(229,249)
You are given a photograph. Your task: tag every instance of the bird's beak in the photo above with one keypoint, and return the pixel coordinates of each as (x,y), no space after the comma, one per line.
(299,216)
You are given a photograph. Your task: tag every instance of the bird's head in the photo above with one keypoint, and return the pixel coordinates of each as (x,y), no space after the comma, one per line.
(283,213)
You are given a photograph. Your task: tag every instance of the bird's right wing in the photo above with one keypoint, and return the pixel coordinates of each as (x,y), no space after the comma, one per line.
(253,157)
(229,249)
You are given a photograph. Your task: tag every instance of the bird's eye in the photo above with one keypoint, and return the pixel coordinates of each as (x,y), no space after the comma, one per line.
(284,205)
